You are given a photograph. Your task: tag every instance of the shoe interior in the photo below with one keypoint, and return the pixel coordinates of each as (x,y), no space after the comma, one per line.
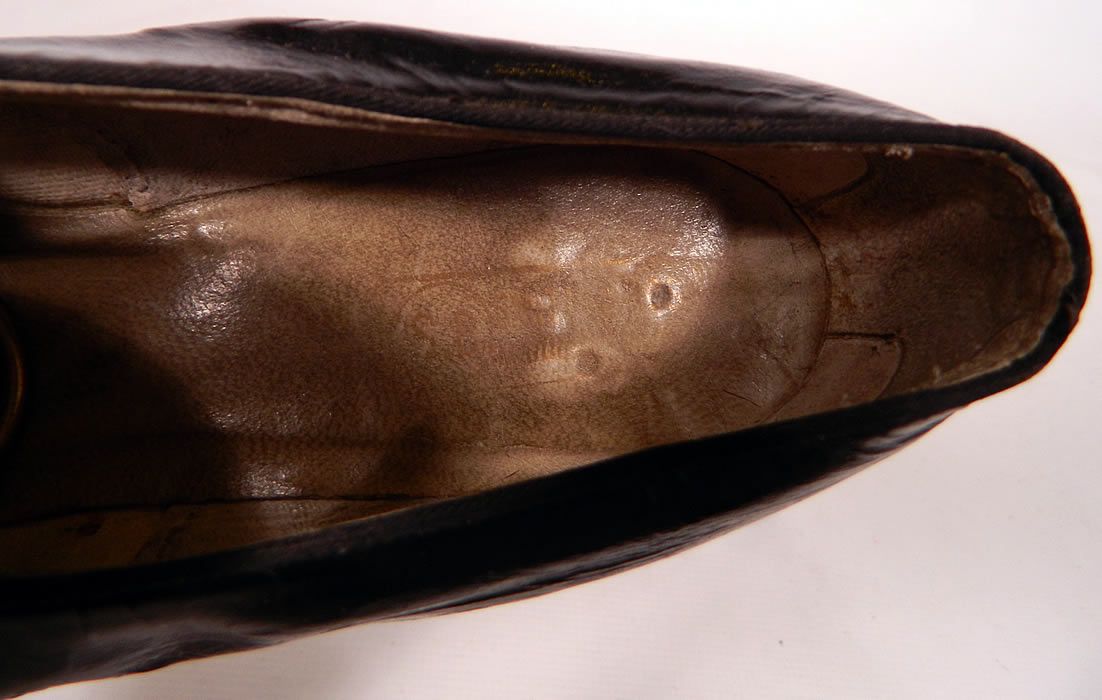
(242,320)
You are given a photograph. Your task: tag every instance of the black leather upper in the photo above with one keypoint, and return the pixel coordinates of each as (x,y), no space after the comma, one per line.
(452,78)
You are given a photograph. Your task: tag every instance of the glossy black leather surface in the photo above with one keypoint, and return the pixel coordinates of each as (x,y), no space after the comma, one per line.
(416,73)
(524,539)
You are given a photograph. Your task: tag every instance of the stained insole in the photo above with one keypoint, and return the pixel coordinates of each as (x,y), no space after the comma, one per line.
(406,332)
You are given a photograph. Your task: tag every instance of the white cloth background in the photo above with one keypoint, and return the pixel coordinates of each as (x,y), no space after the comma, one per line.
(969,565)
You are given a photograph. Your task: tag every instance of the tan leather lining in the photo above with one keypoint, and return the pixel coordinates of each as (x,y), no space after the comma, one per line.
(229,313)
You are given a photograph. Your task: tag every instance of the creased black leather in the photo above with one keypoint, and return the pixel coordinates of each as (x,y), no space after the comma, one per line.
(518,540)
(454,78)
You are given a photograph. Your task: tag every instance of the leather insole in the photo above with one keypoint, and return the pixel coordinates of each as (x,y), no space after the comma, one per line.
(251,361)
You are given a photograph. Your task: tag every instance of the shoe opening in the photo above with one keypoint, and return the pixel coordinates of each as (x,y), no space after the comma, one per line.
(244,321)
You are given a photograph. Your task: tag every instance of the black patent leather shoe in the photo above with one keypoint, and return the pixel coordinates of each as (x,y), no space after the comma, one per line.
(313,324)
